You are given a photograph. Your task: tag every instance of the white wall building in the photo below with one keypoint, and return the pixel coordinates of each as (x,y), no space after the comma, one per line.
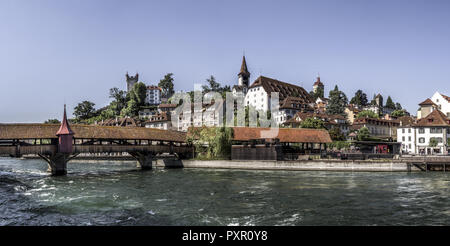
(416,138)
(153,95)
(437,101)
(259,94)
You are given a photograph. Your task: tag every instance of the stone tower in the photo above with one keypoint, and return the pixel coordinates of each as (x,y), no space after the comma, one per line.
(244,75)
(131,81)
(379,100)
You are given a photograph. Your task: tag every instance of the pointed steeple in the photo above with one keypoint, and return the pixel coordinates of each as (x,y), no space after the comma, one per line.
(64,129)
(244,71)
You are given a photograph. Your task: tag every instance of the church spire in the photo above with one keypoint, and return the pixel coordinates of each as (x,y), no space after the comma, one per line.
(64,129)
(244,71)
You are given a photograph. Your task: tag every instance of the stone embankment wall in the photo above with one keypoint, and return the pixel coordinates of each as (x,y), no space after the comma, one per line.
(311,165)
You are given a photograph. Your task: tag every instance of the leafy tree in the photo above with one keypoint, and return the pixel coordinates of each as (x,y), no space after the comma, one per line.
(338,102)
(360,99)
(389,103)
(136,100)
(433,142)
(167,86)
(398,113)
(363,134)
(52,121)
(211,142)
(398,106)
(312,123)
(367,114)
(119,100)
(84,110)
(212,85)
(336,134)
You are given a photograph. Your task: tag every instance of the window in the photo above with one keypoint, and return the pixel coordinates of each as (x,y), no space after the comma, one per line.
(435,130)
(403,139)
(439,140)
(403,130)
(421,140)
(409,130)
(409,139)
(421,130)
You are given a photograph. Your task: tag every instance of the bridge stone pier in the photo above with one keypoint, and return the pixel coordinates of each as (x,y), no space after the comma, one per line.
(144,159)
(58,147)
(57,163)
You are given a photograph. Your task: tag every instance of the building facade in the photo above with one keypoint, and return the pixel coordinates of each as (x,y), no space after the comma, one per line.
(428,136)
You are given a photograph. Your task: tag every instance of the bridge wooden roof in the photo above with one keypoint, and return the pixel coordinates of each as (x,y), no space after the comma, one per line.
(46,131)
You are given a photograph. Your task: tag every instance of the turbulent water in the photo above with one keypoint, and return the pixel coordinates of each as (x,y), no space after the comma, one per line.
(116,193)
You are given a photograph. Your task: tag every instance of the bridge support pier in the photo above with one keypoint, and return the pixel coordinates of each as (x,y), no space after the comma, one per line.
(144,160)
(57,163)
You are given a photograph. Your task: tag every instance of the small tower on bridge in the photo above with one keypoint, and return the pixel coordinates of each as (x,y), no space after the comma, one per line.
(65,135)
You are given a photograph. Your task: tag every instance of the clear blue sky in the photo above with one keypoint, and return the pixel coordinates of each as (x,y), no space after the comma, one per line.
(56,52)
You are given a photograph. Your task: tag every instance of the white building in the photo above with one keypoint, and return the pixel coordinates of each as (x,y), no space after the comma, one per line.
(259,93)
(417,138)
(159,121)
(153,95)
(437,101)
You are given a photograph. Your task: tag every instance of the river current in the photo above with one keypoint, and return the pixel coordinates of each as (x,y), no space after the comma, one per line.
(117,193)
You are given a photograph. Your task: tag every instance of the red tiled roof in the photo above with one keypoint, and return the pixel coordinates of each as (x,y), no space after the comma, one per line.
(435,118)
(285,135)
(427,102)
(446,97)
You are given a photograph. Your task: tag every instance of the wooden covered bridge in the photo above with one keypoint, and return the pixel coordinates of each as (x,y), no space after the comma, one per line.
(58,144)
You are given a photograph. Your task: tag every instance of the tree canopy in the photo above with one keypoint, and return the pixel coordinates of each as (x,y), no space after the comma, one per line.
(367,114)
(84,110)
(338,102)
(166,84)
(312,123)
(136,100)
(360,99)
(389,103)
(363,134)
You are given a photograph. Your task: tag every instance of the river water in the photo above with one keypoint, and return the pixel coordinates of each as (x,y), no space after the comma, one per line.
(117,193)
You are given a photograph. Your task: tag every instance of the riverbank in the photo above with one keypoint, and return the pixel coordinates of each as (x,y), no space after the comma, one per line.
(300,165)
(306,165)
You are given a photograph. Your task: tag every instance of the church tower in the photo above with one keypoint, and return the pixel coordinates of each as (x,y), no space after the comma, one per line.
(318,85)
(131,81)
(244,75)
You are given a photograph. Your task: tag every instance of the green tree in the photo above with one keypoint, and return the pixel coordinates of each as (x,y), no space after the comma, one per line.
(398,106)
(360,99)
(52,121)
(167,86)
(338,102)
(84,110)
(119,100)
(211,142)
(433,142)
(367,114)
(136,100)
(312,123)
(389,103)
(212,85)
(398,113)
(336,134)
(363,134)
